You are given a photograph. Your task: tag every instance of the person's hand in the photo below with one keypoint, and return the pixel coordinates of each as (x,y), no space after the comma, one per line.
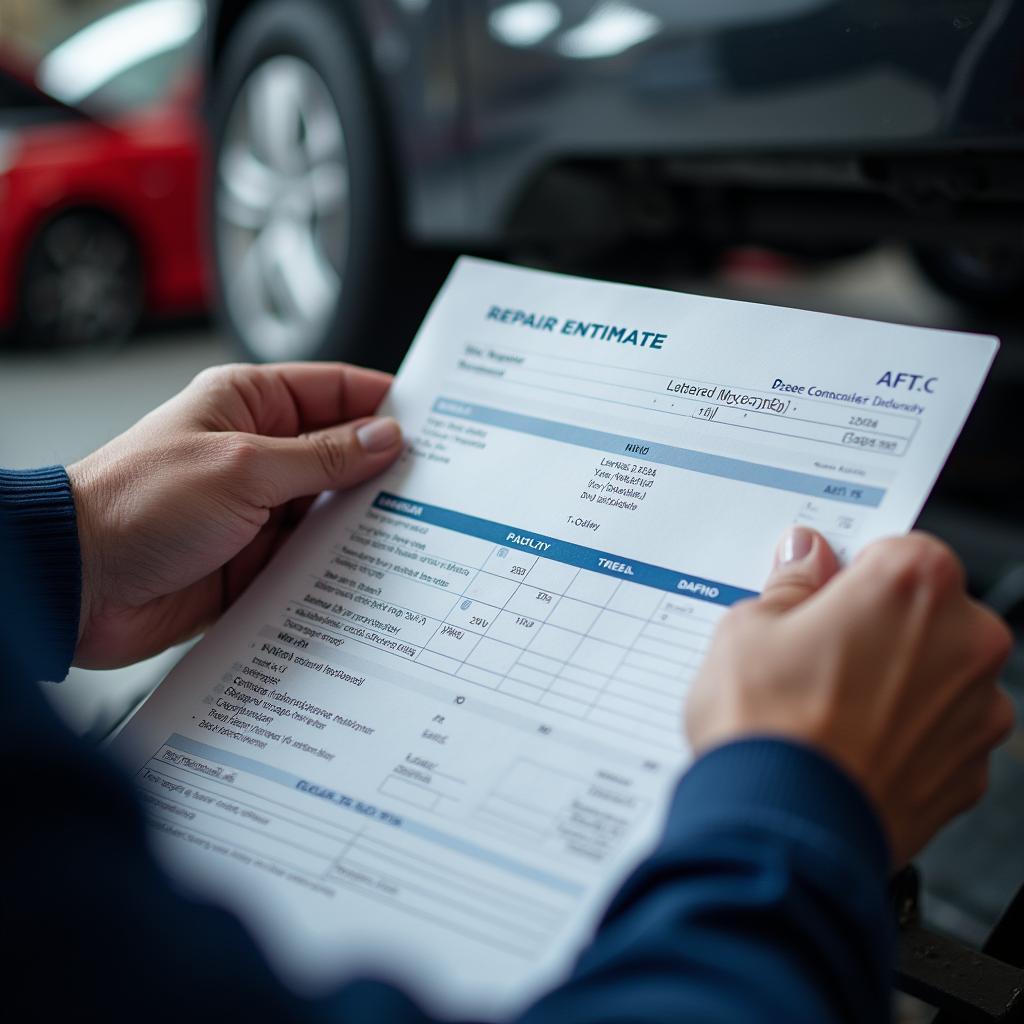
(179,513)
(887,667)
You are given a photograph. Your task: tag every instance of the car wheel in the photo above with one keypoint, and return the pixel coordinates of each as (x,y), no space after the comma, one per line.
(82,283)
(990,279)
(306,229)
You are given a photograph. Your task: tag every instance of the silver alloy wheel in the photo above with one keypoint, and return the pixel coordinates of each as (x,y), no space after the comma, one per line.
(281,209)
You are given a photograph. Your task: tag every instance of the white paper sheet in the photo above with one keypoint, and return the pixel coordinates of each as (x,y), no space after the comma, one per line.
(437,732)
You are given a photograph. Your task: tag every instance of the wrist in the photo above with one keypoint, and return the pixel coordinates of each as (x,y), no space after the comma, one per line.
(86,493)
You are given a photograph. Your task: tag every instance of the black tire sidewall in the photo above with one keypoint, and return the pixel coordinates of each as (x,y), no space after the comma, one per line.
(938,264)
(27,332)
(321,35)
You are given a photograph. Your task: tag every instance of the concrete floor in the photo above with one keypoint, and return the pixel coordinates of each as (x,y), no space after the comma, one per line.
(56,407)
(59,406)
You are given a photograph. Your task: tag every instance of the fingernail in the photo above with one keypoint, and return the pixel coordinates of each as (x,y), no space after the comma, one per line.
(380,434)
(795,546)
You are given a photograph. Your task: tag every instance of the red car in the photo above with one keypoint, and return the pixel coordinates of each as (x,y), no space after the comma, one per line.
(100,165)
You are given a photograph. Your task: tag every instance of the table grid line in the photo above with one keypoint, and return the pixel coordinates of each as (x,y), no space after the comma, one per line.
(549,664)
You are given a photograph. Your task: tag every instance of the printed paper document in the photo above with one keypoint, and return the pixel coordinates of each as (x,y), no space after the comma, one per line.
(434,736)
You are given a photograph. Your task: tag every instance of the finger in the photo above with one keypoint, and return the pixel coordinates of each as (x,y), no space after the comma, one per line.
(330,393)
(295,511)
(243,568)
(333,459)
(934,809)
(135,633)
(905,594)
(1003,716)
(252,559)
(971,724)
(961,792)
(284,399)
(997,718)
(804,563)
(993,639)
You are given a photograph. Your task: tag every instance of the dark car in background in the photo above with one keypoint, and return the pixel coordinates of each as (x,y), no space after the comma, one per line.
(351,138)
(101,145)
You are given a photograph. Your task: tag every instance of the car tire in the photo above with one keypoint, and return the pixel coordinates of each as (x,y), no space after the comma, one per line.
(309,258)
(988,280)
(81,285)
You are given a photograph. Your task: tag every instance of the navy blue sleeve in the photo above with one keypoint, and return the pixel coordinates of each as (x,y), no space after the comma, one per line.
(763,901)
(38,513)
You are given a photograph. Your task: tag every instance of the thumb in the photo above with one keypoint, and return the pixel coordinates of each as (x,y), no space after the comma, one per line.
(804,563)
(336,458)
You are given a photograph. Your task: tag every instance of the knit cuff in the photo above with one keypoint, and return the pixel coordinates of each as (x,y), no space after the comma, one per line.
(37,510)
(781,785)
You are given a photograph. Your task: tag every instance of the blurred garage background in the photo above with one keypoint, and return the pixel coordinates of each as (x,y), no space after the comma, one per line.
(161,211)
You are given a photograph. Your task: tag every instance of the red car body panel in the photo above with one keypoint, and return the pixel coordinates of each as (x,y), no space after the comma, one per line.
(144,170)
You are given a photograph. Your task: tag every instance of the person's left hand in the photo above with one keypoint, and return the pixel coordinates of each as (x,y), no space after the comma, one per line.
(179,513)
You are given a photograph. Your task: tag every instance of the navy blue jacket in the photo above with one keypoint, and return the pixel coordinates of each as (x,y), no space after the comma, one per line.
(764,901)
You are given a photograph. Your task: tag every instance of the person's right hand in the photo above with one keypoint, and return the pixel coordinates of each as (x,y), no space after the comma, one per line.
(887,667)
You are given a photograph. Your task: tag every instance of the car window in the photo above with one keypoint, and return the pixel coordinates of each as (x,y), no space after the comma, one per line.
(140,85)
(127,59)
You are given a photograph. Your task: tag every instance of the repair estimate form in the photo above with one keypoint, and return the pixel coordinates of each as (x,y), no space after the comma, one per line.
(435,734)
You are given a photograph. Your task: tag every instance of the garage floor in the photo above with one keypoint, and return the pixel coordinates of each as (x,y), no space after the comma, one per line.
(58,406)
